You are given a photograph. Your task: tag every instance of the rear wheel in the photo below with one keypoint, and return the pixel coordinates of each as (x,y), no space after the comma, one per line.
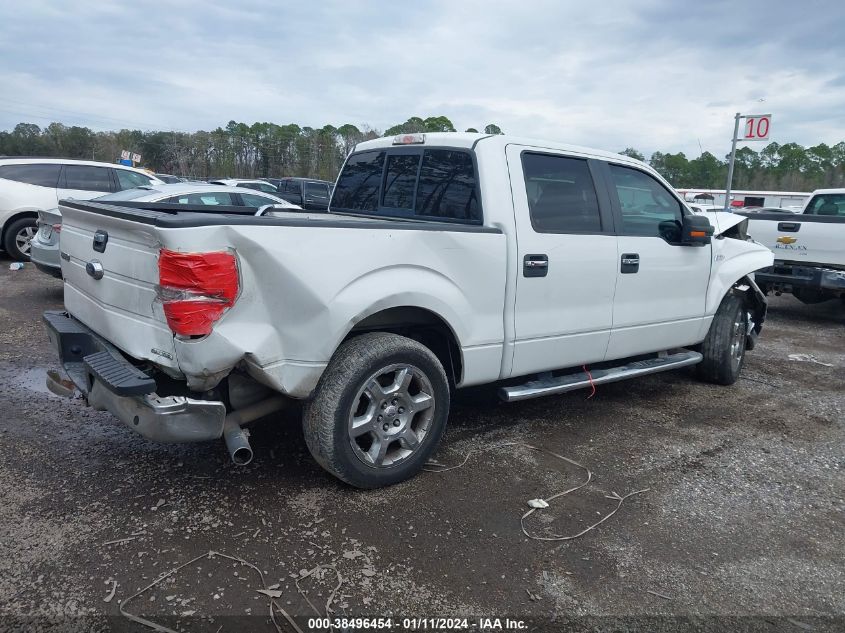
(18,236)
(724,347)
(379,410)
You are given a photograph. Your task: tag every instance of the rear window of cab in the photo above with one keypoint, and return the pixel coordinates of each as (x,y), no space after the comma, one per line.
(433,184)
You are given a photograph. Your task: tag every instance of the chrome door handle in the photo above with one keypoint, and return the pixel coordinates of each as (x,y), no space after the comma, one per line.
(535,265)
(630,263)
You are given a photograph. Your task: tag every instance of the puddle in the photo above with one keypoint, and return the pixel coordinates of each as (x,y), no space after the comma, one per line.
(35,380)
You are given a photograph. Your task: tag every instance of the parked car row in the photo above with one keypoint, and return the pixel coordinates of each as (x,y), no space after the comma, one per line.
(44,251)
(30,187)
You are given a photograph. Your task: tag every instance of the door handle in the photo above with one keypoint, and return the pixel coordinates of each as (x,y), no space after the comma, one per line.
(790,227)
(630,263)
(535,265)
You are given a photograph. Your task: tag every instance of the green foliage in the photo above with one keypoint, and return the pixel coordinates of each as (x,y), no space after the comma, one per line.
(788,167)
(632,153)
(237,150)
(416,124)
(262,149)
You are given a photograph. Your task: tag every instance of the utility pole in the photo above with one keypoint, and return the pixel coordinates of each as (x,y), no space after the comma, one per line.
(731,163)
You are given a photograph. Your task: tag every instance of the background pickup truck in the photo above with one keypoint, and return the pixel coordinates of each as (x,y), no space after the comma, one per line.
(312,195)
(446,260)
(809,248)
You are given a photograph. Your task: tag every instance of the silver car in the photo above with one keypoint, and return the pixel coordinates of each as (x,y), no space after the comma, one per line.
(44,247)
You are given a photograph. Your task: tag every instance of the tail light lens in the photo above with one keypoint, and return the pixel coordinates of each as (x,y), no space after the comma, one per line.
(196,289)
(57,228)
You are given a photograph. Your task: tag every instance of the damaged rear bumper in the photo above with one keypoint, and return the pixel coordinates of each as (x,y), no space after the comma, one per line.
(111,383)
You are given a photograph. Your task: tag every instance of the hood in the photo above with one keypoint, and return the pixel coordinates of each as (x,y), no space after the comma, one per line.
(722,221)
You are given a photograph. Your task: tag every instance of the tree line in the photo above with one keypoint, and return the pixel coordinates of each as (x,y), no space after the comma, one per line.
(776,167)
(239,150)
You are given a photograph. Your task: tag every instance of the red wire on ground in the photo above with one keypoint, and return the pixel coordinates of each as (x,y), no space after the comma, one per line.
(590,376)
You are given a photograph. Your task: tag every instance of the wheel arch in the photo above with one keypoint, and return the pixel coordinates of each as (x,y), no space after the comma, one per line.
(420,324)
(18,215)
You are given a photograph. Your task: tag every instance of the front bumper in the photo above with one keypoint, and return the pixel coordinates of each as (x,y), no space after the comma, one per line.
(795,276)
(111,383)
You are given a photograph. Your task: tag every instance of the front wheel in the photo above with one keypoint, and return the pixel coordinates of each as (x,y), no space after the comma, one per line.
(379,410)
(724,347)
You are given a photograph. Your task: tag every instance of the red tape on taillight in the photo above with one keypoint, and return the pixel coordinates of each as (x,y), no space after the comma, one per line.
(196,289)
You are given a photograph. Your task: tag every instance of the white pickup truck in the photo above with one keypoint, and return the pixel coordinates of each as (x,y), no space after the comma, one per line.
(446,260)
(809,248)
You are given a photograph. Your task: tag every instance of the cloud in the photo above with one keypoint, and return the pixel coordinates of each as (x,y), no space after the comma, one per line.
(654,74)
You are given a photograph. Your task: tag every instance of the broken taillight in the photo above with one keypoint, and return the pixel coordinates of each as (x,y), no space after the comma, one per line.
(196,289)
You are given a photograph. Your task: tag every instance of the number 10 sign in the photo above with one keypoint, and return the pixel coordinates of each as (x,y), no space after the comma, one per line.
(756,127)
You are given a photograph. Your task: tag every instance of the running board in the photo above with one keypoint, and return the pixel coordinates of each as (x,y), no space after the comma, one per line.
(548,384)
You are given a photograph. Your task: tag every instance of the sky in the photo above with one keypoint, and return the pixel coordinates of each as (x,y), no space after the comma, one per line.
(650,74)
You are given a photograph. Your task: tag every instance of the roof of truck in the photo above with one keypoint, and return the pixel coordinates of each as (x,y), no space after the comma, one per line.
(469,140)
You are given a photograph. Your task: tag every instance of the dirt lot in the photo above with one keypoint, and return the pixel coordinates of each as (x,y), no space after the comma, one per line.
(743,517)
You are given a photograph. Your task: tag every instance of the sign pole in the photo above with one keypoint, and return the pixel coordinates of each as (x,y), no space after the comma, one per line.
(731,163)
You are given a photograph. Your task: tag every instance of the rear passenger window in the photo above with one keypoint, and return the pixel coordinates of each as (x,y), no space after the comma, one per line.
(205,198)
(826,204)
(41,175)
(253,200)
(561,194)
(87,178)
(317,190)
(358,186)
(400,180)
(447,187)
(129,179)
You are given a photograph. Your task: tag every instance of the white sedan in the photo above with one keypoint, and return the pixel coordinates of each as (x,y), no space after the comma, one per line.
(44,247)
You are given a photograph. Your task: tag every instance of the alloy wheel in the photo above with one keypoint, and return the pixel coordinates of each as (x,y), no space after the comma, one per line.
(391,415)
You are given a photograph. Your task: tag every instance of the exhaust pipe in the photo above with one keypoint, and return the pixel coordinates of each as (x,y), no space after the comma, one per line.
(237,438)
(237,441)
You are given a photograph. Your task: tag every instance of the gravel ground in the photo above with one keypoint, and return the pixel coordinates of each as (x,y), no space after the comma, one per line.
(741,525)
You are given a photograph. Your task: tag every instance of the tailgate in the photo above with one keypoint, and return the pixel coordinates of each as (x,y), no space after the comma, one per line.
(807,239)
(110,285)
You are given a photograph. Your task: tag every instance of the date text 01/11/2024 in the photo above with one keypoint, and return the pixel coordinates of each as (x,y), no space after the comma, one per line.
(417,624)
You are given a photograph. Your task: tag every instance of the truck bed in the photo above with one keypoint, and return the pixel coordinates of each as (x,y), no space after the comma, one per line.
(305,280)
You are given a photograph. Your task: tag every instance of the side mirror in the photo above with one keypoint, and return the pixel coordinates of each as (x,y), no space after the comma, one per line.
(696,230)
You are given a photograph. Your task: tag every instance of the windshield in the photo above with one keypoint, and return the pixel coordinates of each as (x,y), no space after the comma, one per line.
(128,194)
(826,204)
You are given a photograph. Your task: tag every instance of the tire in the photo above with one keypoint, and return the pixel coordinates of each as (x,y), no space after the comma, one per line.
(17,236)
(724,347)
(397,391)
